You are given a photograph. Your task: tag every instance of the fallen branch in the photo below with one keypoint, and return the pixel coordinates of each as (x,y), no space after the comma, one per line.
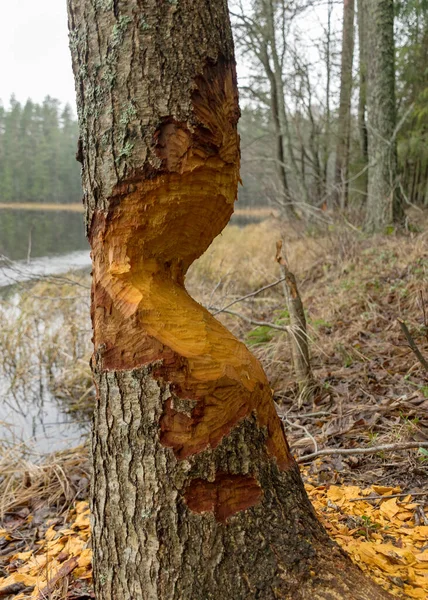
(403,495)
(308,433)
(412,345)
(15,588)
(372,450)
(64,571)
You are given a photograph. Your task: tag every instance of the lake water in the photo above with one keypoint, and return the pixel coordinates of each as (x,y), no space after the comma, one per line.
(57,244)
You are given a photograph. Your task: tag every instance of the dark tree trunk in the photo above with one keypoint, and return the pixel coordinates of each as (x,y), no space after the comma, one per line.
(362,97)
(384,203)
(285,200)
(195,494)
(343,139)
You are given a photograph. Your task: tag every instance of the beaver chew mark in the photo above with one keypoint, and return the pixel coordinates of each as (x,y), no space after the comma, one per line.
(156,227)
(225,496)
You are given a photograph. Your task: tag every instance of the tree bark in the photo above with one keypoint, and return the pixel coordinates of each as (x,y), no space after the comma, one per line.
(362,97)
(384,203)
(195,494)
(285,199)
(343,138)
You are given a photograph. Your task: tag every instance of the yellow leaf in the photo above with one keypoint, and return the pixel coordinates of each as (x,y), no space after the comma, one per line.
(335,494)
(417,593)
(404,516)
(351,491)
(85,559)
(81,507)
(422,556)
(82,521)
(51,533)
(82,573)
(385,491)
(19,578)
(389,508)
(22,555)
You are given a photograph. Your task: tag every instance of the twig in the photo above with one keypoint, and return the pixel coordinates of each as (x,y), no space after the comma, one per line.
(304,429)
(250,295)
(424,313)
(412,345)
(65,570)
(390,496)
(372,450)
(251,321)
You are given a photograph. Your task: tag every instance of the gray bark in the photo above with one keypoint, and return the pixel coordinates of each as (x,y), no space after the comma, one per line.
(384,205)
(362,96)
(342,148)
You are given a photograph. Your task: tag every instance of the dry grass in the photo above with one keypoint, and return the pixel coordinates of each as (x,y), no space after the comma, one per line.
(45,339)
(353,287)
(370,387)
(32,480)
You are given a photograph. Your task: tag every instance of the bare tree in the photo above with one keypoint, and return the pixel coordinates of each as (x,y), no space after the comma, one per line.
(362,92)
(384,204)
(344,122)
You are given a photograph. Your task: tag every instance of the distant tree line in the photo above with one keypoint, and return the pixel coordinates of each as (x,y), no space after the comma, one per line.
(37,153)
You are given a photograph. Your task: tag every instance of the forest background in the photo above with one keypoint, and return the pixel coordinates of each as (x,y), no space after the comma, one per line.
(289,160)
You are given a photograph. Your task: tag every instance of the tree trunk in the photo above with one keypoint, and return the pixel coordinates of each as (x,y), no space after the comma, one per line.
(195,494)
(285,199)
(362,97)
(384,204)
(343,139)
(327,96)
(303,194)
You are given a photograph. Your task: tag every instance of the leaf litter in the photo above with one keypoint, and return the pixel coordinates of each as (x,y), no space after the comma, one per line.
(384,535)
(372,391)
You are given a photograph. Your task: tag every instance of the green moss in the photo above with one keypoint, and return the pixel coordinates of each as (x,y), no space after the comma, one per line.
(104,4)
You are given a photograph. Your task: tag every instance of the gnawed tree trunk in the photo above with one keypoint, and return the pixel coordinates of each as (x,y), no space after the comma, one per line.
(344,123)
(384,203)
(195,494)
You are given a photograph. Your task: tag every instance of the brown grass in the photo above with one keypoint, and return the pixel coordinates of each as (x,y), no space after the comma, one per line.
(32,480)
(354,287)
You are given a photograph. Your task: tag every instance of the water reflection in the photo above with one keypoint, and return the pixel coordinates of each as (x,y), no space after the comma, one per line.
(44,232)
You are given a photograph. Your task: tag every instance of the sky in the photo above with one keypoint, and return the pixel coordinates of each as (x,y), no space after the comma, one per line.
(35,59)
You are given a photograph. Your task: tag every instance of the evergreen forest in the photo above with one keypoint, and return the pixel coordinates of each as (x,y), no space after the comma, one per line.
(37,153)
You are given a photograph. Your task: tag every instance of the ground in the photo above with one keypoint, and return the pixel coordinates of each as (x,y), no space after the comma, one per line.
(371,390)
